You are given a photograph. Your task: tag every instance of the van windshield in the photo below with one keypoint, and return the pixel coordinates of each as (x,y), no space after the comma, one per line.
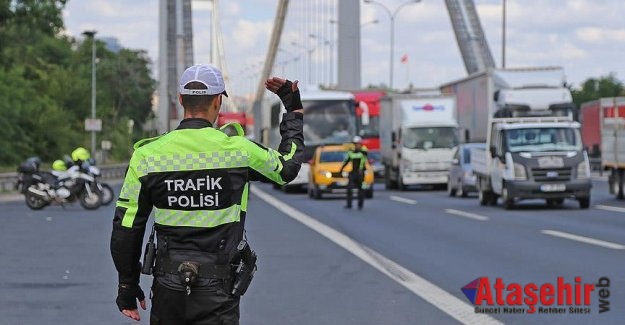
(543,139)
(430,138)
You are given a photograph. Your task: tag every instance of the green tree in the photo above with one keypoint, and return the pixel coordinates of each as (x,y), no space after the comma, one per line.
(595,88)
(45,86)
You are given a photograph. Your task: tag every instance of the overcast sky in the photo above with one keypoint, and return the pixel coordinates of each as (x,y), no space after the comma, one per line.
(586,37)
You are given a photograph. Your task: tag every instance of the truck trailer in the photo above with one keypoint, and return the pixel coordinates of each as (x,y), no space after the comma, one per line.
(481,95)
(603,132)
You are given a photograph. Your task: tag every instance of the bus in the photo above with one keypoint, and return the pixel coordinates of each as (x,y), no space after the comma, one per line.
(329,118)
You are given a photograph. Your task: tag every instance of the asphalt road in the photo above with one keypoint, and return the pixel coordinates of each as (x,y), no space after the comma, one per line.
(403,259)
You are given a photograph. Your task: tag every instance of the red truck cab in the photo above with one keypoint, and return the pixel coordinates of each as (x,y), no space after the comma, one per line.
(368,125)
(368,117)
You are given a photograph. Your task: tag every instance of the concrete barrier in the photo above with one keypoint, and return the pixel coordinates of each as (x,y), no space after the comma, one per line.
(8,180)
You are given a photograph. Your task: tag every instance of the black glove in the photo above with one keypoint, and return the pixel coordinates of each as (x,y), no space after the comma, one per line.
(289,98)
(127,295)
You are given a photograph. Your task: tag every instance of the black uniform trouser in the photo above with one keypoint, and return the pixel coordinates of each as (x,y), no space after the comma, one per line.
(207,305)
(355,181)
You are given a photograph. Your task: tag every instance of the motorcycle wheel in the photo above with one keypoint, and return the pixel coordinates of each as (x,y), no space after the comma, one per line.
(107,193)
(91,202)
(34,202)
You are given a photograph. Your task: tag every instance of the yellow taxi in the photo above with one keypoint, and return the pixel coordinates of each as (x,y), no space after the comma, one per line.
(325,176)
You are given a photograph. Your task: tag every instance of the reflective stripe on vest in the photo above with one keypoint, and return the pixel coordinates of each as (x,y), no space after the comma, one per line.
(192,161)
(197,218)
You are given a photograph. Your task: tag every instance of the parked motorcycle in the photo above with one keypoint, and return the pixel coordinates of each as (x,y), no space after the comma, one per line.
(90,168)
(42,188)
(107,191)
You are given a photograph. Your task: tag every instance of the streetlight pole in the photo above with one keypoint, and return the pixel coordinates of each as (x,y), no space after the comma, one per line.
(391,16)
(309,58)
(503,36)
(331,46)
(91,35)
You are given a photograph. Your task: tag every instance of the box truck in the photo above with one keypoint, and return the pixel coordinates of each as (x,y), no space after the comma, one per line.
(417,135)
(533,147)
(603,132)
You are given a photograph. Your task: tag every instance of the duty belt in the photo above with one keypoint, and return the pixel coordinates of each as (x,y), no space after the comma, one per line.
(205,270)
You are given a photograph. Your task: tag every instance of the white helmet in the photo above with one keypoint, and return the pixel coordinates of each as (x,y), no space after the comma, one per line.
(357,139)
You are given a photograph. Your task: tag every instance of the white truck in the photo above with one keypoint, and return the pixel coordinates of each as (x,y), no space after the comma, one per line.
(533,146)
(417,138)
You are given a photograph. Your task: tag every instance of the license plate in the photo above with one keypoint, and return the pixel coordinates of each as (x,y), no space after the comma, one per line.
(546,162)
(553,187)
(341,183)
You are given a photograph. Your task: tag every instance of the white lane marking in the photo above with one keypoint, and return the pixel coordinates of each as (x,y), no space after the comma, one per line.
(439,298)
(402,199)
(466,214)
(583,239)
(610,208)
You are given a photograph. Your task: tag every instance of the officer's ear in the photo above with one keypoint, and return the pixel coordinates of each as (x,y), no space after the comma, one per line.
(180,99)
(217,103)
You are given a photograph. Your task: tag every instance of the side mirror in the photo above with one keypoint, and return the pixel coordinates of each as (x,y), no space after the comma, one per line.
(493,151)
(455,162)
(496,96)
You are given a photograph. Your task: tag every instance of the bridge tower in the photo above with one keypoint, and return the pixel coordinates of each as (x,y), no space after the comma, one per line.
(175,54)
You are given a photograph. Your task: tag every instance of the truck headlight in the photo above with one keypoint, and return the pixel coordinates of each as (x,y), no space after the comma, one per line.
(583,170)
(519,172)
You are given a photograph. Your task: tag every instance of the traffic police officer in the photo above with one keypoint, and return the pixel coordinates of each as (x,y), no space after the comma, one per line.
(358,158)
(196,179)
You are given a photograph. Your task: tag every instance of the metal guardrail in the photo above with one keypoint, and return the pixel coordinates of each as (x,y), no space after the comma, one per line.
(8,180)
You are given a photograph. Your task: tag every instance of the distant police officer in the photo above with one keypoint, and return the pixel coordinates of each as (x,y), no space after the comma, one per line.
(196,178)
(358,158)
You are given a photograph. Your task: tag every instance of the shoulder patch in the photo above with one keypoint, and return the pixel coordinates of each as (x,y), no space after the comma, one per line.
(145,141)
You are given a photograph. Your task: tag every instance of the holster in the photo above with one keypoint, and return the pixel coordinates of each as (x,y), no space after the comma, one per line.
(245,269)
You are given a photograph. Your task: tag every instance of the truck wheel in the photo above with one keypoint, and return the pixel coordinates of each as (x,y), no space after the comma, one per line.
(618,183)
(388,182)
(508,202)
(400,183)
(483,197)
(492,198)
(461,191)
(584,202)
(450,189)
